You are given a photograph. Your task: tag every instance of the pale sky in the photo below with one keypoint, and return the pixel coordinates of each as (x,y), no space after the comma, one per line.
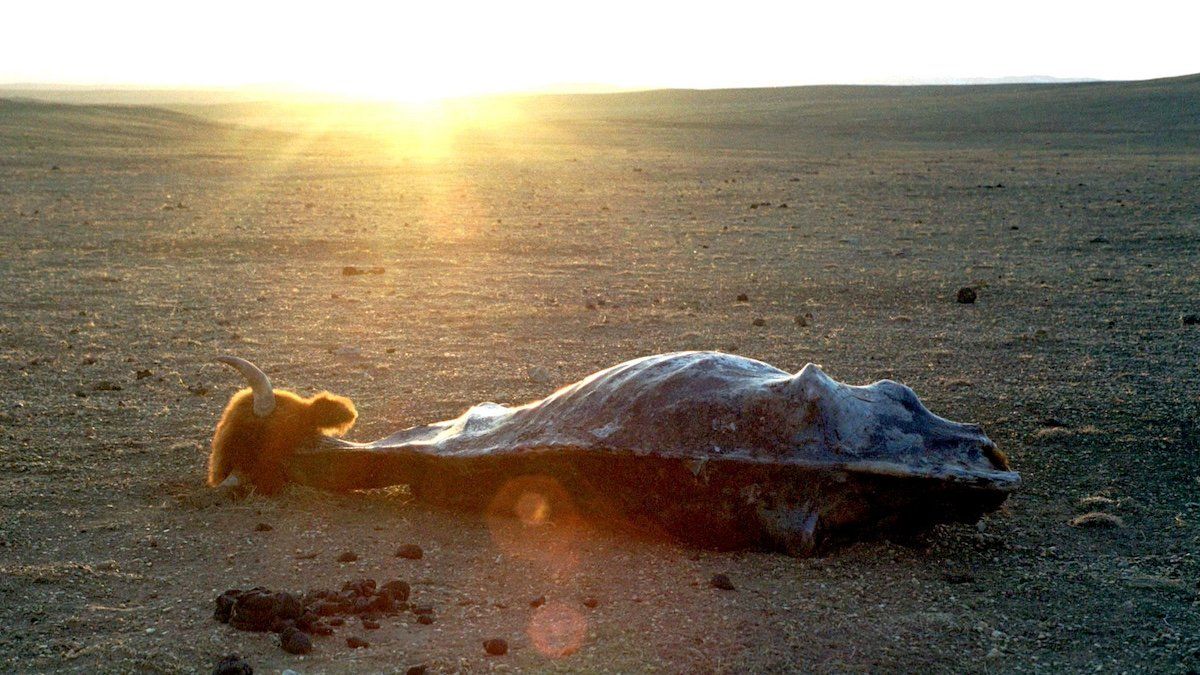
(452,47)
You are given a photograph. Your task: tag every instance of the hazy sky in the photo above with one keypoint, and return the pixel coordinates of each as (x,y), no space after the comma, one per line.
(449,47)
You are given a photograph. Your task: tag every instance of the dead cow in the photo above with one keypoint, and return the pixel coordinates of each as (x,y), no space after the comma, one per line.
(709,448)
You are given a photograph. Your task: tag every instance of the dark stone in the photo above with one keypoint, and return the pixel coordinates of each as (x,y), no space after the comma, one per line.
(538,601)
(410,552)
(398,590)
(295,641)
(760,322)
(347,557)
(363,605)
(424,619)
(495,647)
(590,602)
(381,603)
(722,582)
(263,527)
(355,642)
(742,297)
(336,621)
(966,295)
(255,610)
(1190,319)
(369,624)
(225,604)
(288,605)
(233,664)
(419,669)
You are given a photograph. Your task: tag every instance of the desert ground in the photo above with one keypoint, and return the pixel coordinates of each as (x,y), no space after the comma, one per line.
(137,243)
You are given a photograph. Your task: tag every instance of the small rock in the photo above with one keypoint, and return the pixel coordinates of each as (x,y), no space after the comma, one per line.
(800,320)
(759,322)
(355,642)
(540,374)
(347,557)
(105,385)
(233,664)
(143,373)
(1190,319)
(225,603)
(966,295)
(295,641)
(495,647)
(370,624)
(397,590)
(722,582)
(742,297)
(263,527)
(335,621)
(538,601)
(424,619)
(591,602)
(410,552)
(419,669)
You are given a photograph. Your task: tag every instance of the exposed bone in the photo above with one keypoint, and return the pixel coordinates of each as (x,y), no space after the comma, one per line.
(708,448)
(260,384)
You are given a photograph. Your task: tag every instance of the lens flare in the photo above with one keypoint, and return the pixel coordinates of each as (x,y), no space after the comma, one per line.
(557,630)
(533,518)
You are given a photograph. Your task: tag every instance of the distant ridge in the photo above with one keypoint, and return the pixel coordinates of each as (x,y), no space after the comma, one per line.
(1161,112)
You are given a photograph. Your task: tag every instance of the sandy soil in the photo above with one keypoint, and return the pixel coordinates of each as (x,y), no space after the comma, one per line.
(127,264)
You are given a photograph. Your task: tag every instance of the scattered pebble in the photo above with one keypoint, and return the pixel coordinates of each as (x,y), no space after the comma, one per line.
(722,582)
(369,624)
(538,601)
(143,373)
(1190,319)
(424,619)
(966,295)
(347,557)
(263,527)
(495,647)
(410,552)
(419,669)
(355,642)
(800,320)
(590,602)
(759,321)
(1098,520)
(295,641)
(742,297)
(233,664)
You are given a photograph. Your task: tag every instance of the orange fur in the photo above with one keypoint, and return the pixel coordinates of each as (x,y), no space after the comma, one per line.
(256,447)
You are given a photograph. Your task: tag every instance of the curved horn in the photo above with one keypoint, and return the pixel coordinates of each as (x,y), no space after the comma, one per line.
(260,384)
